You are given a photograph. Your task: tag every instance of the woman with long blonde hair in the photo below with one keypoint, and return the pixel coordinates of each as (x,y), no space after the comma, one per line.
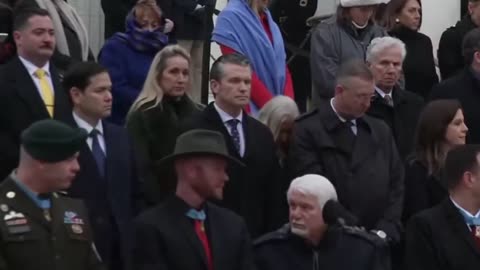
(155,117)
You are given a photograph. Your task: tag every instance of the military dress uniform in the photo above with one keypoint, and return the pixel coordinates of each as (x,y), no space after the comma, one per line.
(57,237)
(45,231)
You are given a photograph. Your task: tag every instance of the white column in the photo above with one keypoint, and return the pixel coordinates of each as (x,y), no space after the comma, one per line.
(92,15)
(438,15)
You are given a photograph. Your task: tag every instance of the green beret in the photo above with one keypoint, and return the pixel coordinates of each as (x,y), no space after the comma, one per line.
(52,141)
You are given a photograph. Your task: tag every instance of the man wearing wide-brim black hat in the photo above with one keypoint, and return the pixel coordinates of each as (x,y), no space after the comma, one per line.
(198,234)
(41,229)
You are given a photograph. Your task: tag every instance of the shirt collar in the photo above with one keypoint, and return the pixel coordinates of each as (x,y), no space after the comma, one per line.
(227,117)
(83,124)
(354,121)
(464,212)
(31,68)
(383,94)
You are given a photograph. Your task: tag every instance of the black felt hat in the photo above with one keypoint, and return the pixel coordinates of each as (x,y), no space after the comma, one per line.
(52,141)
(200,142)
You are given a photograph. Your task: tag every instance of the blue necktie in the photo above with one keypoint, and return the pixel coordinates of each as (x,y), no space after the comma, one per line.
(233,123)
(97,152)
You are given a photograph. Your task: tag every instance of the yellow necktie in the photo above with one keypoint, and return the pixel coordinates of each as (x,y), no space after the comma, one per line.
(47,92)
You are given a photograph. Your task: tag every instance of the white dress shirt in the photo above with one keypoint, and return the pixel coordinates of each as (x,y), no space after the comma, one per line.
(225,118)
(31,68)
(83,124)
(354,121)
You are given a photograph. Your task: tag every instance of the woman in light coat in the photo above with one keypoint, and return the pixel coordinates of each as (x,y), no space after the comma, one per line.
(343,37)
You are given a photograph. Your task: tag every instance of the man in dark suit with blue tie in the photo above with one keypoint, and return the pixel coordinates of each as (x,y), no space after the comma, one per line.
(107,180)
(255,192)
(447,236)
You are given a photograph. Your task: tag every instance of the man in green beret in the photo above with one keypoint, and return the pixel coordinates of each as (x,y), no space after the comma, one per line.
(40,229)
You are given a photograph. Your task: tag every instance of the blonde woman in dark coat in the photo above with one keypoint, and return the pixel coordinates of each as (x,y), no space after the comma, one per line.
(155,117)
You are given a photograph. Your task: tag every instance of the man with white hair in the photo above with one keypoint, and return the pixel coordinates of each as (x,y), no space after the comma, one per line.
(307,234)
(399,109)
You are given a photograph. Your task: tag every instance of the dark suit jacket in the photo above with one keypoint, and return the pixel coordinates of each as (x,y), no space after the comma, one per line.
(166,239)
(115,14)
(465,88)
(368,177)
(439,239)
(110,200)
(255,191)
(42,244)
(401,118)
(21,105)
(189,25)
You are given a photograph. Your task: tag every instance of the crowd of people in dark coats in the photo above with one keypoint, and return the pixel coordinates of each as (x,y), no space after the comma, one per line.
(120,158)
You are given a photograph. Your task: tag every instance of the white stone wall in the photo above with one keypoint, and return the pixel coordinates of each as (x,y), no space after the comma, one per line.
(92,15)
(438,15)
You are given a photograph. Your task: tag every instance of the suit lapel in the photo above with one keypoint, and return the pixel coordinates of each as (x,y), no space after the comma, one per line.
(215,239)
(110,152)
(365,144)
(28,91)
(459,225)
(58,214)
(246,124)
(217,124)
(61,107)
(22,203)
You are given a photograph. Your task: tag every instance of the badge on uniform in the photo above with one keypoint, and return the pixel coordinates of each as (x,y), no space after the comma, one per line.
(75,221)
(4,207)
(16,223)
(72,218)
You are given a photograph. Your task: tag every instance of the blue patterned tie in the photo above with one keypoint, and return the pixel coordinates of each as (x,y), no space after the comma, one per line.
(233,123)
(97,152)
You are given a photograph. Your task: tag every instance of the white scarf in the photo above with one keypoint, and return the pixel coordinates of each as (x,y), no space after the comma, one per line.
(72,19)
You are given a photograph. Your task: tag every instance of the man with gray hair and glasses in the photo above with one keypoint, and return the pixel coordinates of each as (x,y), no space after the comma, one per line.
(399,109)
(313,239)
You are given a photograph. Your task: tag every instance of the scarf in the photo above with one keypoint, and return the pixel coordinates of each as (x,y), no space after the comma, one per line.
(239,28)
(141,40)
(71,18)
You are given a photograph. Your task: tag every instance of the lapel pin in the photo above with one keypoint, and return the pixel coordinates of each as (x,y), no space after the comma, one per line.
(11,194)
